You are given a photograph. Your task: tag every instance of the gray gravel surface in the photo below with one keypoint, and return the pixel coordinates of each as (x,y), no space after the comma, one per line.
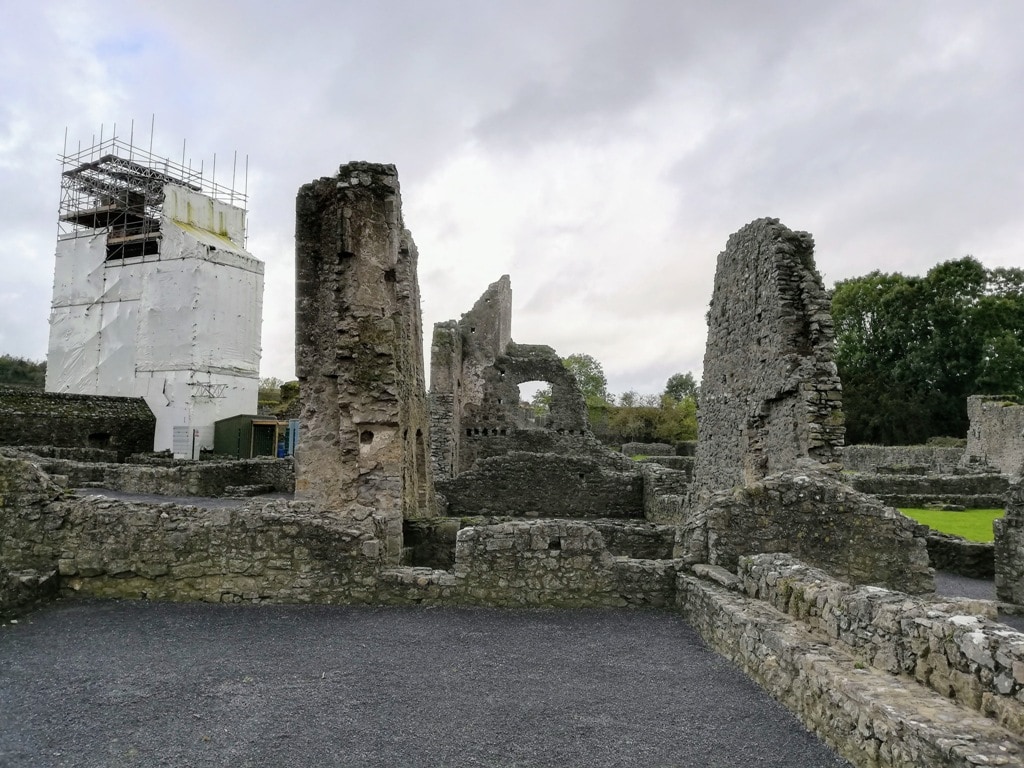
(104,683)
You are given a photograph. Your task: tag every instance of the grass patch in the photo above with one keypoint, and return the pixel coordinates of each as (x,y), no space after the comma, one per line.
(973,524)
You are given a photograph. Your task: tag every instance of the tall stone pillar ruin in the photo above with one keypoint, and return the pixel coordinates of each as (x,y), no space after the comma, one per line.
(771,392)
(363,450)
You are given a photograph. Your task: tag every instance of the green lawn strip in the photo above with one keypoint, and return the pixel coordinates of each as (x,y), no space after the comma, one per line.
(973,524)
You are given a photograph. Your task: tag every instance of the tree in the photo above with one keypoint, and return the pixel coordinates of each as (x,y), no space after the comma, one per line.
(22,373)
(589,375)
(910,350)
(681,385)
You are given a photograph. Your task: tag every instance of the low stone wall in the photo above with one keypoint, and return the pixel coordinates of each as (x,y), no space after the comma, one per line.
(648,449)
(430,542)
(916,459)
(974,491)
(871,717)
(545,485)
(954,554)
(809,513)
(1009,547)
(555,563)
(665,491)
(21,591)
(942,643)
(203,478)
(31,417)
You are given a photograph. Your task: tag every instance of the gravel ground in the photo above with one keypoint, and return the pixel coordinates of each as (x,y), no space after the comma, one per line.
(105,683)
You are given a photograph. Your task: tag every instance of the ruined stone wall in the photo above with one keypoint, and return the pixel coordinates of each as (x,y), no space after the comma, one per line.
(207,478)
(364,446)
(940,642)
(476,370)
(121,424)
(902,459)
(531,484)
(557,563)
(996,435)
(972,491)
(954,554)
(770,393)
(871,717)
(809,513)
(1009,547)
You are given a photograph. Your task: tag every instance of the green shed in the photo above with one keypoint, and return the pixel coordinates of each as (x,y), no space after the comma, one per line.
(246,437)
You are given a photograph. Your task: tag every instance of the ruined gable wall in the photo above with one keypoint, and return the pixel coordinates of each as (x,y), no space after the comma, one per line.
(996,435)
(363,449)
(770,392)
(476,370)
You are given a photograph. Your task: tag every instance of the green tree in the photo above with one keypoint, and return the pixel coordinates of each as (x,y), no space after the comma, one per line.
(910,350)
(589,374)
(681,385)
(22,373)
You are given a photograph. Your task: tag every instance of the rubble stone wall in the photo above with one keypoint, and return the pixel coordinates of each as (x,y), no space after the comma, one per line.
(973,491)
(1009,547)
(531,484)
(902,459)
(872,718)
(808,512)
(770,393)
(475,373)
(996,435)
(364,447)
(206,478)
(121,424)
(954,554)
(942,643)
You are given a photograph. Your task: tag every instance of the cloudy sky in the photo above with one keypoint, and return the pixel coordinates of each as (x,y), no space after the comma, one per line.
(598,151)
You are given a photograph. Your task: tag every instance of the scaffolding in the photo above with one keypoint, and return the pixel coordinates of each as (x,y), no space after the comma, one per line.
(117,187)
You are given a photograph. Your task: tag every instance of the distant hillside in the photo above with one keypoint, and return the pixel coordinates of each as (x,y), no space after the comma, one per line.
(19,372)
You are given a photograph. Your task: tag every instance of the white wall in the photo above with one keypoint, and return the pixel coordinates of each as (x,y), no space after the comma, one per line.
(180,329)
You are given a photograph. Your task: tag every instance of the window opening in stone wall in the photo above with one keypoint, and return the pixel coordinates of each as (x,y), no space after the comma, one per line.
(534,404)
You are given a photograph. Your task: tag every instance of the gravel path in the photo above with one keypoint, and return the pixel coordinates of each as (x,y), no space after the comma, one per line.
(103,683)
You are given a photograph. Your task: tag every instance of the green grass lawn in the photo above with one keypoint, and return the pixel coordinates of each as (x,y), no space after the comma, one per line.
(973,524)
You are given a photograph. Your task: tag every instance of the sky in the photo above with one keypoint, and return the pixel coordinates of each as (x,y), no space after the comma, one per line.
(600,152)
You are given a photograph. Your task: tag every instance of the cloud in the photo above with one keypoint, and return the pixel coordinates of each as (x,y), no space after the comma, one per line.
(600,152)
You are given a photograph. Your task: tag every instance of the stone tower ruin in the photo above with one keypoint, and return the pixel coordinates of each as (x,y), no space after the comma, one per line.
(363,450)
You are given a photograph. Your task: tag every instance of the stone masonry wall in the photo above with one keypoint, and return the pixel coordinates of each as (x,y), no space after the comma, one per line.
(206,478)
(996,435)
(770,392)
(1009,547)
(902,459)
(364,447)
(476,370)
(530,484)
(809,513)
(121,424)
(954,554)
(974,491)
(941,643)
(871,717)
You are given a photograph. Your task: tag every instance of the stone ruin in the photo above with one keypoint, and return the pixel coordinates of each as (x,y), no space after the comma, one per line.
(771,392)
(364,440)
(996,436)
(771,428)
(766,481)
(490,454)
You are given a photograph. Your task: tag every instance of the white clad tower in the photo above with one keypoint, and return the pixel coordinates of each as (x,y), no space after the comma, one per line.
(154,294)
